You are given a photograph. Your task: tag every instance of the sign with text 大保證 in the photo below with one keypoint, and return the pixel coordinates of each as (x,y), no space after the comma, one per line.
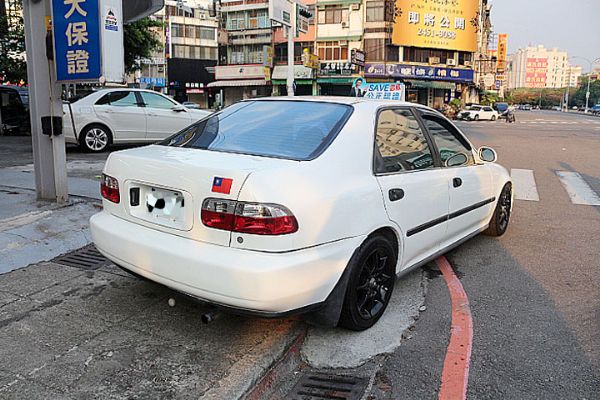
(77,46)
(336,69)
(438,24)
(88,40)
(380,70)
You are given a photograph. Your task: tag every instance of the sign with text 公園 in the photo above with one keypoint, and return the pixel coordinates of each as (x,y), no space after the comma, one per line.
(379,91)
(77,45)
(438,24)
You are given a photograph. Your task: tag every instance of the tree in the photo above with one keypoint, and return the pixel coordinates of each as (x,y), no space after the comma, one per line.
(141,40)
(13,67)
(579,96)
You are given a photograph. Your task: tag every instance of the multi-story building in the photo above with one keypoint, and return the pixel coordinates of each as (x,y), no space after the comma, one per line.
(339,29)
(185,66)
(538,67)
(438,44)
(574,75)
(304,77)
(247,30)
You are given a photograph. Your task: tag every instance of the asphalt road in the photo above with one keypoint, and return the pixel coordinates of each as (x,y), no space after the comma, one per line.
(535,292)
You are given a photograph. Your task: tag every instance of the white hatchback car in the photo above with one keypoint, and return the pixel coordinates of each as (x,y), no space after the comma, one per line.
(477,113)
(124,115)
(299,205)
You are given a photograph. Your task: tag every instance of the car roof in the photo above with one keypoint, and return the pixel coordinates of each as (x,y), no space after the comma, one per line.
(342,100)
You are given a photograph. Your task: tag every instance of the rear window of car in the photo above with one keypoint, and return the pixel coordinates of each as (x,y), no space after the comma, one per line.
(295,130)
(475,108)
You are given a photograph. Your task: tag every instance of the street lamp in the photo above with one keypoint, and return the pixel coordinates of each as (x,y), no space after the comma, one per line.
(587,93)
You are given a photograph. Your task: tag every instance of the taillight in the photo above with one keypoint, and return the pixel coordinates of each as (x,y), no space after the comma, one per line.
(254,218)
(109,187)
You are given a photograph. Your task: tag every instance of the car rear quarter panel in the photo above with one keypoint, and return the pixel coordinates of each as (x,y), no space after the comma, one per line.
(333,197)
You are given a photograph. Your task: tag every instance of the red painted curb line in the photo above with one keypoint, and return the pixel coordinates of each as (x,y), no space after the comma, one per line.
(455,375)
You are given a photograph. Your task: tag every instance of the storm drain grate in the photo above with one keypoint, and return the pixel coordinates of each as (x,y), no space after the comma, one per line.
(313,386)
(87,257)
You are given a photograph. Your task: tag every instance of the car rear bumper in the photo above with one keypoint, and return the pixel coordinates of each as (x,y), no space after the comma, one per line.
(267,283)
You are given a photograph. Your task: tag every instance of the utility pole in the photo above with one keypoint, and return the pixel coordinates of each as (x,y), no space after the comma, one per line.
(49,155)
(291,30)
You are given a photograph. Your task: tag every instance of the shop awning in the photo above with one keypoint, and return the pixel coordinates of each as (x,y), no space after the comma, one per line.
(238,82)
(339,81)
(431,84)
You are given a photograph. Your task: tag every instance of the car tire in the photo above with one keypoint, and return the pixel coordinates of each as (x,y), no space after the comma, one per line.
(493,117)
(476,118)
(501,217)
(95,138)
(370,284)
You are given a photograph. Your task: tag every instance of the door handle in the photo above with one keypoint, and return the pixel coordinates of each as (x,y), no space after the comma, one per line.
(396,194)
(456,182)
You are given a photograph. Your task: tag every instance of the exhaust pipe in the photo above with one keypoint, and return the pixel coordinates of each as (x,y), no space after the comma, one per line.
(209,317)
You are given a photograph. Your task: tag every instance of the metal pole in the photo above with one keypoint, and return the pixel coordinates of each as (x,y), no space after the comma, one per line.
(49,155)
(587,94)
(290,72)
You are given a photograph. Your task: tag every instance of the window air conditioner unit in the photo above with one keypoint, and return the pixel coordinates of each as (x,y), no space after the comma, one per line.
(451,61)
(343,43)
(468,63)
(344,24)
(434,60)
(355,7)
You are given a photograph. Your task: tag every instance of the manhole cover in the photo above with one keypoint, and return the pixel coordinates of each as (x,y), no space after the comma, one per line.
(87,257)
(326,386)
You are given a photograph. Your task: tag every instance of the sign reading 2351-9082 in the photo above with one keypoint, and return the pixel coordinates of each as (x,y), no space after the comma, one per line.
(77,39)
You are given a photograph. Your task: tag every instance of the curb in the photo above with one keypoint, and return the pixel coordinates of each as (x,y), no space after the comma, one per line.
(255,367)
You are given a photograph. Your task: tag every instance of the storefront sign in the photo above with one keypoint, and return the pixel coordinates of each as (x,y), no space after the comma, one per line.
(77,40)
(357,57)
(151,81)
(300,72)
(336,69)
(239,72)
(438,24)
(502,44)
(88,40)
(418,72)
(194,91)
(268,55)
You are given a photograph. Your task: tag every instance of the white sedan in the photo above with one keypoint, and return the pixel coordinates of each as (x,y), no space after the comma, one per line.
(477,113)
(299,205)
(124,115)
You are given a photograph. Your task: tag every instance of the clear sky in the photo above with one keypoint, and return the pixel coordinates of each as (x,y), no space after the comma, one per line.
(570,25)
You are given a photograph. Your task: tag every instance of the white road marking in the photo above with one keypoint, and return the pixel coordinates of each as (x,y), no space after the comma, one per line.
(23,219)
(579,191)
(525,187)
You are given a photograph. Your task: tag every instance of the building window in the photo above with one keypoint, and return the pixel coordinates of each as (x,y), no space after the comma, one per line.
(205,33)
(236,21)
(375,49)
(332,51)
(190,31)
(174,11)
(176,30)
(313,10)
(333,15)
(375,11)
(414,54)
(281,51)
(258,19)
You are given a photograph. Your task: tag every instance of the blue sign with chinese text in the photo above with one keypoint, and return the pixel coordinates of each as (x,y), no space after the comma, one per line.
(152,81)
(418,72)
(77,46)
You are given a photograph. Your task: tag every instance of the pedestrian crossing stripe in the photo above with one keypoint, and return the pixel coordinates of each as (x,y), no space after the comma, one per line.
(578,190)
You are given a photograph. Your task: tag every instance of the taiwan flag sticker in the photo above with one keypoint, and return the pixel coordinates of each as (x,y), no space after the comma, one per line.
(222,185)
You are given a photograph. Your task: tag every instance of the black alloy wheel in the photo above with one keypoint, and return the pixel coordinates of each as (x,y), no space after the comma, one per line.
(501,218)
(370,285)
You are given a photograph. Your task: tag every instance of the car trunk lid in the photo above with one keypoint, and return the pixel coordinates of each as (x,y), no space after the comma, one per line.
(163,187)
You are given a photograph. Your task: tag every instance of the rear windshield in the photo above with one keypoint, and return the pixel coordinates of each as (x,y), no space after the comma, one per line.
(295,130)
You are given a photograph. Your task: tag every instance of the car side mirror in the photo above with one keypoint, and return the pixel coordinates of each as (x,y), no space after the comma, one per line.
(178,108)
(487,154)
(457,160)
